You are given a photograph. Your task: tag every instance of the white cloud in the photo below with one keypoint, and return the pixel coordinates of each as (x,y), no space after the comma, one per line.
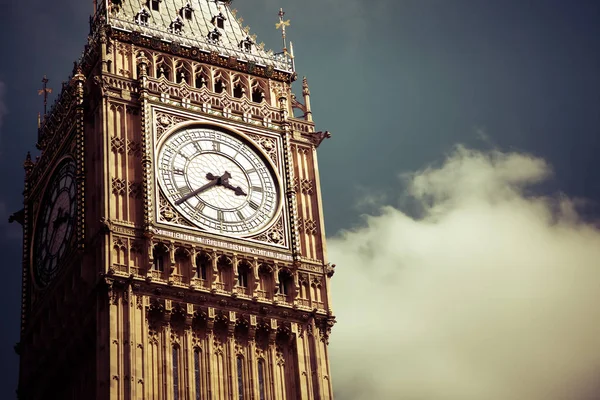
(490,295)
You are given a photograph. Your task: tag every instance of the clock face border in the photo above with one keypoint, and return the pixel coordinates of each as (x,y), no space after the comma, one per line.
(227,130)
(50,186)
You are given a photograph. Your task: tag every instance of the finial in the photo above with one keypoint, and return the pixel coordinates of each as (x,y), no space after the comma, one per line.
(45,91)
(281,25)
(28,164)
(39,120)
(292,56)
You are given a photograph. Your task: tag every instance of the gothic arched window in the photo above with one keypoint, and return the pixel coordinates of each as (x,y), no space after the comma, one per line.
(261,379)
(285,283)
(238,91)
(197,370)
(159,255)
(243,275)
(202,265)
(175,373)
(240,377)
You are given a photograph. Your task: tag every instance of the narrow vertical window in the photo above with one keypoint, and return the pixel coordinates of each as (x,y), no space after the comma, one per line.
(175,374)
(159,261)
(242,277)
(261,379)
(240,375)
(202,262)
(197,372)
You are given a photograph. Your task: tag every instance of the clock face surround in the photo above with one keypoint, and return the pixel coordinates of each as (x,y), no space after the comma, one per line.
(55,224)
(217,181)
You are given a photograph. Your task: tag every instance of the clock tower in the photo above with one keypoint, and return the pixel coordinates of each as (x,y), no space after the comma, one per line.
(174,244)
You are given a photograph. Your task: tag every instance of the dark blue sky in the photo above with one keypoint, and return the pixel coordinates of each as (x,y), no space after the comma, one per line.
(398,83)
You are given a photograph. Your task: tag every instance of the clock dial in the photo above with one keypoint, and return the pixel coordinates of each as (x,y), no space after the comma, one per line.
(55,224)
(217,181)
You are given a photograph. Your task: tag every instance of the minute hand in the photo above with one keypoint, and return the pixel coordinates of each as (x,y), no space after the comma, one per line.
(197,191)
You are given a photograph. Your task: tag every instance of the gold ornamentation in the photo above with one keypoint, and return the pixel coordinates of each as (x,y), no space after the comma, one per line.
(168,214)
(119,186)
(164,122)
(135,190)
(310,227)
(117,145)
(307,186)
(268,145)
(274,235)
(134,148)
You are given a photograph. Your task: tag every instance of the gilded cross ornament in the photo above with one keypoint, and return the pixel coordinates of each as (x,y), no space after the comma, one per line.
(45,91)
(281,25)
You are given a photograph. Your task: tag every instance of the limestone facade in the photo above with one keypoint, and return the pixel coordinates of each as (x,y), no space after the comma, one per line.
(137,301)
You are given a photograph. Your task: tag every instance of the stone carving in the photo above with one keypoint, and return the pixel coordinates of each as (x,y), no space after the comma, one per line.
(275,235)
(268,145)
(119,186)
(168,214)
(117,145)
(164,122)
(307,186)
(134,148)
(135,190)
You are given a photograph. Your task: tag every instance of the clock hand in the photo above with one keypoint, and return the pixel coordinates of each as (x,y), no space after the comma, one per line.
(224,181)
(210,184)
(237,190)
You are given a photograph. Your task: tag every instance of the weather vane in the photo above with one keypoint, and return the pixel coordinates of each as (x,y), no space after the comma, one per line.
(45,91)
(281,25)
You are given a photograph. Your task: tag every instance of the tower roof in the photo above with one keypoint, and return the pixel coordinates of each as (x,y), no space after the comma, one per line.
(209,25)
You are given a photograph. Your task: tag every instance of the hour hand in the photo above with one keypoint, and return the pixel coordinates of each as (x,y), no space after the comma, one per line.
(237,190)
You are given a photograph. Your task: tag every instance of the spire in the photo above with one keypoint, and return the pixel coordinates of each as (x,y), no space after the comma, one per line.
(45,91)
(281,25)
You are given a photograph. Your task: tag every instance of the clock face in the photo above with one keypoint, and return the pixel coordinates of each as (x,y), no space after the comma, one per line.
(217,181)
(55,224)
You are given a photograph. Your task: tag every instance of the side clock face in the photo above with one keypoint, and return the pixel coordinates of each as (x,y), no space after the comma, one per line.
(217,181)
(55,224)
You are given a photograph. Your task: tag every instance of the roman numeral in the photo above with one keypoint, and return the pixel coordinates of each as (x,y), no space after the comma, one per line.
(178,171)
(240,215)
(253,205)
(220,216)
(250,171)
(184,190)
(216,146)
(257,189)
